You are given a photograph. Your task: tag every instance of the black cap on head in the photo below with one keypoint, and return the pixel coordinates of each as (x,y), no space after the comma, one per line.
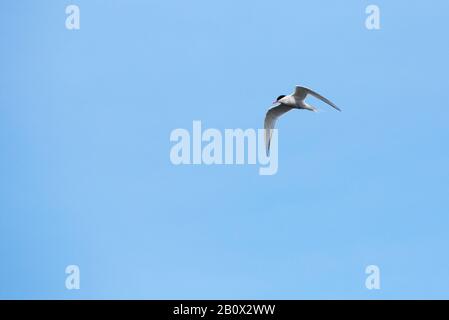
(280,97)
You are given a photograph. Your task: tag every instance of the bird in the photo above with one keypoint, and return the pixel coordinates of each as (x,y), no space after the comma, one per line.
(285,103)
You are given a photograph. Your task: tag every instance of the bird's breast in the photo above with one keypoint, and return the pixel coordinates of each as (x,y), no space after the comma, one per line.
(289,101)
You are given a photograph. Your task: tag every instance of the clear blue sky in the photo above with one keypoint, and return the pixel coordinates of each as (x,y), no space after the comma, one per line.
(85,175)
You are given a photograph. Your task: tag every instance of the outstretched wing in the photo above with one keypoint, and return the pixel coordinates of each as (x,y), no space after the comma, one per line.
(270,121)
(303,92)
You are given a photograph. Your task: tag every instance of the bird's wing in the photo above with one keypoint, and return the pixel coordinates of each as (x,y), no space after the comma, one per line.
(270,121)
(304,91)
(300,93)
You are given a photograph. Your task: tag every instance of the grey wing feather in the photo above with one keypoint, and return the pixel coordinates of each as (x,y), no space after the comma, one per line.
(270,121)
(302,90)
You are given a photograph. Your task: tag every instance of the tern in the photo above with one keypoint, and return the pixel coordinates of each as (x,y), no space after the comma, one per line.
(285,103)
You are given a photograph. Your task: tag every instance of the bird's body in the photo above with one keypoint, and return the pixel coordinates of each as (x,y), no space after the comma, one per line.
(295,102)
(285,103)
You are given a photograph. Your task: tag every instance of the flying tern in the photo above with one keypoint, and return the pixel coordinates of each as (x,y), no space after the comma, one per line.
(285,103)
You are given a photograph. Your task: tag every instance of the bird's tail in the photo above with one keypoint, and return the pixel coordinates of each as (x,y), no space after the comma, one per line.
(311,108)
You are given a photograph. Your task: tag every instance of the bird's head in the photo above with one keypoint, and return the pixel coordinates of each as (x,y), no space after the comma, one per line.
(279,98)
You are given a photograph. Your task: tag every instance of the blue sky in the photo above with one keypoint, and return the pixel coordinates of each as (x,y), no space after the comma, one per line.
(86,177)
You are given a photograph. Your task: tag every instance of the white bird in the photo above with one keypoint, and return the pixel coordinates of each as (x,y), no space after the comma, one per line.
(284,104)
